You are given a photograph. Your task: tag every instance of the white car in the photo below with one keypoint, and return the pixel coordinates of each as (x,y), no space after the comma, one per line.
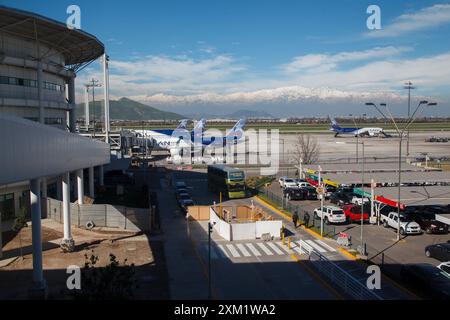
(281,181)
(303,184)
(407,226)
(358,200)
(289,183)
(331,214)
(445,266)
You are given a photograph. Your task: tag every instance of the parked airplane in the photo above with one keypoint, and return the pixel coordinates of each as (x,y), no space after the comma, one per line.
(366,131)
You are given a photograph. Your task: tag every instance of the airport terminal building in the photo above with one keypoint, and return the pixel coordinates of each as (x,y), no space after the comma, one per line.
(40,151)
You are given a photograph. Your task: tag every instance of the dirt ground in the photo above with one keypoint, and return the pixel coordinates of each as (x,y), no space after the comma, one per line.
(139,249)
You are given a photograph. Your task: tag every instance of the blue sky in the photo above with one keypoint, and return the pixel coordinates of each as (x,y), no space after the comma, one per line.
(245,53)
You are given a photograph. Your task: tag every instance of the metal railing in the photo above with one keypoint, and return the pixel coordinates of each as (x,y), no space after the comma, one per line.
(341,278)
(290,208)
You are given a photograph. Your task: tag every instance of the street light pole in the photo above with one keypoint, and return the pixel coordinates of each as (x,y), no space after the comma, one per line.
(362,199)
(401,134)
(321,202)
(357,138)
(409,86)
(209,260)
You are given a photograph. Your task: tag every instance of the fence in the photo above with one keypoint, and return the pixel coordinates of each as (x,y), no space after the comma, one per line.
(103,215)
(290,208)
(341,278)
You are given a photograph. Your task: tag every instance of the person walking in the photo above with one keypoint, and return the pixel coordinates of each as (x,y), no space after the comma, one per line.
(306,218)
(295,218)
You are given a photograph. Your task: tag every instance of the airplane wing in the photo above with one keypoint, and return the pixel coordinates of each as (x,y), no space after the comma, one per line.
(183,124)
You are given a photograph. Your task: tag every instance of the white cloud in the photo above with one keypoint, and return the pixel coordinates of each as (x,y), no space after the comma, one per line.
(434,16)
(326,62)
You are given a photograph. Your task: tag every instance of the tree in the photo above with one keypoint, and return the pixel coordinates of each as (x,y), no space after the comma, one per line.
(19,223)
(306,149)
(115,281)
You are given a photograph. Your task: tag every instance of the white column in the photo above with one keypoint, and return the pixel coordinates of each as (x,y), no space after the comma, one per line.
(67,242)
(71,97)
(101,176)
(35,201)
(80,186)
(86,107)
(91,183)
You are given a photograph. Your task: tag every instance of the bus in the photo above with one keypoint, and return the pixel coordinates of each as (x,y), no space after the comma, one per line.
(229,181)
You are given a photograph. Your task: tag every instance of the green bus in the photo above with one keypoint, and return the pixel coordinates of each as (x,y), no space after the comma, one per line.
(229,181)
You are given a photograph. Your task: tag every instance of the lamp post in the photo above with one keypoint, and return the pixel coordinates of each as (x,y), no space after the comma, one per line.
(362,251)
(400,135)
(210,229)
(356,136)
(321,202)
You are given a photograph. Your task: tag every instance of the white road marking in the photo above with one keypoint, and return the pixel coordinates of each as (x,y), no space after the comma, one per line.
(223,251)
(253,249)
(315,246)
(323,244)
(298,250)
(264,248)
(275,248)
(282,246)
(233,251)
(243,250)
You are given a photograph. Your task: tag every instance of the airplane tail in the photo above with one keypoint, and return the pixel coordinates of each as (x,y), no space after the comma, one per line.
(334,124)
(183,124)
(237,132)
(200,125)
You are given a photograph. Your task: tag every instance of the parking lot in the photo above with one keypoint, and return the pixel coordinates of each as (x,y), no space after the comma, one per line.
(378,239)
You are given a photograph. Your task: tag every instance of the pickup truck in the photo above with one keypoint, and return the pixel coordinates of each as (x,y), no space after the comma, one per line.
(331,214)
(407,225)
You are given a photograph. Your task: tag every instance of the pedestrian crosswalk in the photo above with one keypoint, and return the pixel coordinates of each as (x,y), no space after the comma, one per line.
(239,250)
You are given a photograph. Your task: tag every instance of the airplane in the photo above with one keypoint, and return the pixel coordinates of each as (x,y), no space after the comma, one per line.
(366,131)
(234,136)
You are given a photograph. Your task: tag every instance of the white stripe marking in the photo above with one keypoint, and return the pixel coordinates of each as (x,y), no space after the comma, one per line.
(253,249)
(315,246)
(264,248)
(223,251)
(323,244)
(243,250)
(298,250)
(275,248)
(282,246)
(233,251)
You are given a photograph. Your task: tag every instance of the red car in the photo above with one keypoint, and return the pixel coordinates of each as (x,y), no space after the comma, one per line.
(353,212)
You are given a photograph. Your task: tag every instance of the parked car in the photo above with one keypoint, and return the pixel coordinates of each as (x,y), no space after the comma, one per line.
(407,225)
(180,185)
(428,223)
(340,198)
(303,184)
(353,212)
(329,190)
(184,198)
(281,181)
(445,267)
(311,193)
(429,280)
(289,183)
(358,200)
(440,251)
(295,193)
(331,214)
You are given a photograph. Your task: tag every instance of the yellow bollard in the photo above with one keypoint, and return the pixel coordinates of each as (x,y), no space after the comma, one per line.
(282,237)
(289,243)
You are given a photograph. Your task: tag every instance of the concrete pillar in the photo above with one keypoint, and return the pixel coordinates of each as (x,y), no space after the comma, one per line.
(67,243)
(91,183)
(71,97)
(35,199)
(80,186)
(101,176)
(106,94)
